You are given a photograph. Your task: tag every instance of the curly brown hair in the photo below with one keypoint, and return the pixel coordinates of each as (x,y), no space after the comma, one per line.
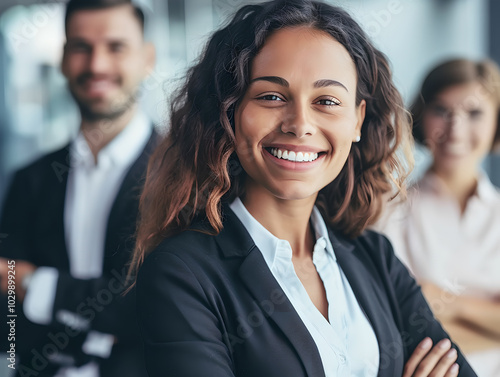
(196,167)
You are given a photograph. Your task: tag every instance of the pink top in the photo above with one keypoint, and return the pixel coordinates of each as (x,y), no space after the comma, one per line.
(458,252)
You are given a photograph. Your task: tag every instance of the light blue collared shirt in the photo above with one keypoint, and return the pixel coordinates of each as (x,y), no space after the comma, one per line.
(346,342)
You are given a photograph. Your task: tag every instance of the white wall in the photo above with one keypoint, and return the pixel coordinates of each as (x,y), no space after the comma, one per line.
(414,34)
(418,34)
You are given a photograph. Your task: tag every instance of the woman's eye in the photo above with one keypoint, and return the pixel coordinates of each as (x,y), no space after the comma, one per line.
(441,111)
(328,102)
(270,97)
(475,113)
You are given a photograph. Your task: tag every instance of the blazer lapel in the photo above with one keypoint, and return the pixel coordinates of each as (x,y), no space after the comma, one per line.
(264,287)
(369,298)
(125,206)
(54,201)
(234,240)
(132,184)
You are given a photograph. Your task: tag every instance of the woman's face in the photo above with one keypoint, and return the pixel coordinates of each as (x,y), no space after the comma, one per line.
(459,126)
(296,123)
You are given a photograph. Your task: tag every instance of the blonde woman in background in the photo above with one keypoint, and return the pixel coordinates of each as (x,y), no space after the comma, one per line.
(448,231)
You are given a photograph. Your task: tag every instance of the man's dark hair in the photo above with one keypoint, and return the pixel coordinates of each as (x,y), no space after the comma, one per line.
(77,5)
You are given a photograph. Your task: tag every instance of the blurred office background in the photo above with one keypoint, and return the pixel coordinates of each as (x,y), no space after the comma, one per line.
(37,114)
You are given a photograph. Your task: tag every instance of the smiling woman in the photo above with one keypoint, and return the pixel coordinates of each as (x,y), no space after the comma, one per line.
(447,231)
(310,108)
(252,254)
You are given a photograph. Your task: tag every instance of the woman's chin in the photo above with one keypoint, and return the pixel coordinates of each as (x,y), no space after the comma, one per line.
(453,163)
(296,194)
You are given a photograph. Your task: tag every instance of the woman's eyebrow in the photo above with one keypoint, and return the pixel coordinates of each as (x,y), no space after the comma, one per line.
(274,79)
(328,82)
(282,82)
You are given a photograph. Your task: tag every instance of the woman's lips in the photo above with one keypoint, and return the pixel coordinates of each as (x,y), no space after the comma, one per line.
(291,162)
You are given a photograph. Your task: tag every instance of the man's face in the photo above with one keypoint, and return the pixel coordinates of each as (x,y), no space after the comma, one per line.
(105,59)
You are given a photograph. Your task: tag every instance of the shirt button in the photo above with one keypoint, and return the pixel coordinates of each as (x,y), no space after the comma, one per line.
(342,359)
(321,243)
(284,244)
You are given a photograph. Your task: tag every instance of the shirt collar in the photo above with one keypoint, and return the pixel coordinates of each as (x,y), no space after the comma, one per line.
(485,191)
(120,151)
(80,153)
(268,243)
(321,230)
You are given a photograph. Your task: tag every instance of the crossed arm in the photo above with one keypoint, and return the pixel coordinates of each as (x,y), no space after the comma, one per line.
(98,302)
(473,322)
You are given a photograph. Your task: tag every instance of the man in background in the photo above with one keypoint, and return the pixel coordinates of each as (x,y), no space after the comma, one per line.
(69,218)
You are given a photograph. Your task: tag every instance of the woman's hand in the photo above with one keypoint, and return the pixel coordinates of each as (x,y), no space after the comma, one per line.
(437,361)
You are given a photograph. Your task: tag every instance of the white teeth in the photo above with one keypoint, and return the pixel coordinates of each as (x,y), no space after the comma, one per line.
(292,156)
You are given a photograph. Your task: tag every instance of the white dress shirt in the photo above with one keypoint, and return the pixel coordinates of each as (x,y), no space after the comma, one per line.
(459,252)
(90,193)
(346,341)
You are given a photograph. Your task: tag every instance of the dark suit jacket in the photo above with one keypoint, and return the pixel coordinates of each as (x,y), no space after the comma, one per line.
(33,222)
(210,306)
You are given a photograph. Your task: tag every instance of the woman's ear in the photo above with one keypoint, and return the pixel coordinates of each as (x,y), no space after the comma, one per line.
(495,148)
(360,115)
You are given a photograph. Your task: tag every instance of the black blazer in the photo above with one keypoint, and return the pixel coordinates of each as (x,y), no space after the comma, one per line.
(210,306)
(33,222)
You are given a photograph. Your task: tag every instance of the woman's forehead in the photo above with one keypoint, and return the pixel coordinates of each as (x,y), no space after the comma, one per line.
(468,93)
(304,51)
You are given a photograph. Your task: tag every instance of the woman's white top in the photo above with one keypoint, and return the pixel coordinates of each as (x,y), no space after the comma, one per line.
(346,341)
(458,252)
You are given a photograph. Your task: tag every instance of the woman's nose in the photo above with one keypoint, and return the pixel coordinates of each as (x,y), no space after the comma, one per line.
(298,122)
